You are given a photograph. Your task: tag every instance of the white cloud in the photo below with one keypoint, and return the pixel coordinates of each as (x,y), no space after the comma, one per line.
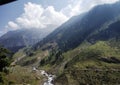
(13,25)
(35,16)
(76,7)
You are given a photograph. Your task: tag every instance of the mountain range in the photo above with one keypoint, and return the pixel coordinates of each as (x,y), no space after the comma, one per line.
(88,26)
(15,40)
(85,50)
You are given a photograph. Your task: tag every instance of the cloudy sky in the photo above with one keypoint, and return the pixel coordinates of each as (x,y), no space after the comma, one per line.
(26,14)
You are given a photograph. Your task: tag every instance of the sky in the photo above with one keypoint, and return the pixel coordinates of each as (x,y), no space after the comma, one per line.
(41,14)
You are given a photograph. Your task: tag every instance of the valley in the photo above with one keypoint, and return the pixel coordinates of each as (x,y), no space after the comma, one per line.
(85,50)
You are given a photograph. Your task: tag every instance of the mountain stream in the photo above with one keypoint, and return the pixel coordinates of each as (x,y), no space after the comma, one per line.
(50,78)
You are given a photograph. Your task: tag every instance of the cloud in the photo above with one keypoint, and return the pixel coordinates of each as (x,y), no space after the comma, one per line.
(76,7)
(13,25)
(36,16)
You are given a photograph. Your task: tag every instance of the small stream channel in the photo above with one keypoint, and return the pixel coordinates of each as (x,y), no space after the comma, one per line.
(50,78)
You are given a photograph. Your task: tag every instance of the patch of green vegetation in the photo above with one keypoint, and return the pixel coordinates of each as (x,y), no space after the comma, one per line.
(19,54)
(55,57)
(89,77)
(23,75)
(5,60)
(95,55)
(26,61)
(97,64)
(28,57)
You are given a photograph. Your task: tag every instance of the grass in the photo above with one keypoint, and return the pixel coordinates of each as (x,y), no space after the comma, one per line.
(19,54)
(88,68)
(80,66)
(24,75)
(32,60)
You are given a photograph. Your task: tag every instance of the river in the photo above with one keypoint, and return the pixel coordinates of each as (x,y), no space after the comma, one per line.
(50,78)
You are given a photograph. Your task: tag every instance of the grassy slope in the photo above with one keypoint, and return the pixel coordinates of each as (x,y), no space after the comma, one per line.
(21,73)
(89,66)
(23,76)
(82,65)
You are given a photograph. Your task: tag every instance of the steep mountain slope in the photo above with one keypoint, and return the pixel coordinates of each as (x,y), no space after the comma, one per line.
(85,50)
(109,32)
(109,48)
(91,62)
(95,65)
(76,30)
(14,40)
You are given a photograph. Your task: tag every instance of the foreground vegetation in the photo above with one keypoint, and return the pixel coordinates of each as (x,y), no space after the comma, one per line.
(5,60)
(95,64)
(92,64)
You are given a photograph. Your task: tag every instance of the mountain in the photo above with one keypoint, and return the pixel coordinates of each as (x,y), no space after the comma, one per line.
(14,40)
(95,65)
(85,50)
(110,31)
(95,61)
(72,33)
(103,43)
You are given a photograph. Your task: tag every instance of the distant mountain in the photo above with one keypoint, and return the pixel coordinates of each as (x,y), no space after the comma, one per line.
(84,50)
(80,28)
(109,31)
(14,40)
